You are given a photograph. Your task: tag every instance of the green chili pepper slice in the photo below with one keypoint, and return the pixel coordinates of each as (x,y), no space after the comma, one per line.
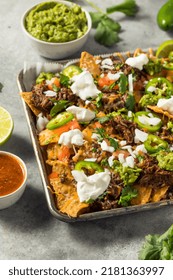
(60,120)
(154,144)
(88,165)
(168,65)
(59,106)
(160,83)
(71,71)
(146,126)
(165,17)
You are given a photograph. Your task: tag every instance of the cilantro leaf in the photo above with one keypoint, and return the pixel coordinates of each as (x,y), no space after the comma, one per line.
(103,119)
(96,17)
(106,28)
(99,100)
(130,102)
(113,25)
(64,80)
(101,132)
(126,195)
(55,88)
(105,35)
(113,143)
(158,247)
(123,82)
(128,7)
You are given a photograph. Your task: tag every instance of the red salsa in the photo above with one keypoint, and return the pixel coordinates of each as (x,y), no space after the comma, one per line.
(11,174)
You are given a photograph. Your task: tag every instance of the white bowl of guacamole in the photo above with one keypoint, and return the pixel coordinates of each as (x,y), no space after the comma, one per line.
(56,29)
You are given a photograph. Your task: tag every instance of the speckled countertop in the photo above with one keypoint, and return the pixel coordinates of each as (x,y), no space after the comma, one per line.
(27,229)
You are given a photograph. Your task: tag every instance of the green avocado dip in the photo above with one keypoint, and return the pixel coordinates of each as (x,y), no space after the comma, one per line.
(56,22)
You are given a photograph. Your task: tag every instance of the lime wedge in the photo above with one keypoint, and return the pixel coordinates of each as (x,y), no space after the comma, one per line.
(164,49)
(6,125)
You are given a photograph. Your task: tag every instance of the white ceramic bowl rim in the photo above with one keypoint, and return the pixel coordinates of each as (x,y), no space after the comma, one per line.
(52,43)
(24,171)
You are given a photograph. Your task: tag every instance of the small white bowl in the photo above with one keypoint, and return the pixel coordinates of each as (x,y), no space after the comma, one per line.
(11,198)
(57,50)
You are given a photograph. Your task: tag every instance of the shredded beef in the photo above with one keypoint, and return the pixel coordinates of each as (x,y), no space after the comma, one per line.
(153,175)
(110,199)
(112,102)
(67,94)
(124,129)
(43,102)
(39,99)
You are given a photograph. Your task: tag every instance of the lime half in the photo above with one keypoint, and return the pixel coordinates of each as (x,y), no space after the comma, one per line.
(6,125)
(164,49)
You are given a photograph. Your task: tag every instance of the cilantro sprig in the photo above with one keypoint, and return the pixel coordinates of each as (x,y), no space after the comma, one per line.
(127,194)
(107,29)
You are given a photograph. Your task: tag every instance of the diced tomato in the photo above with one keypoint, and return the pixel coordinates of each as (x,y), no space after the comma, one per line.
(48,136)
(64,153)
(105,81)
(68,126)
(97,125)
(54,81)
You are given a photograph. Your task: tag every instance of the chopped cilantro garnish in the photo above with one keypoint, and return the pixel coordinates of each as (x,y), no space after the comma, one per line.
(127,194)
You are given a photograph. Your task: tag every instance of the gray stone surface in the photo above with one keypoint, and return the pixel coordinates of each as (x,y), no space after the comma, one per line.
(27,229)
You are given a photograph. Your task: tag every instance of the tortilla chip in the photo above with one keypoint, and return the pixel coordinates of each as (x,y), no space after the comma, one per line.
(158,110)
(158,194)
(143,196)
(27,98)
(52,151)
(73,207)
(67,199)
(48,136)
(88,61)
(61,168)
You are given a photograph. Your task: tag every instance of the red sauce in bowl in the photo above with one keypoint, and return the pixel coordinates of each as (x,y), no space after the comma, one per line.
(11,174)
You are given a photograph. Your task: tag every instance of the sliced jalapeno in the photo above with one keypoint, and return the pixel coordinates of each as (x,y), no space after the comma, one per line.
(160,83)
(59,106)
(168,65)
(143,119)
(154,144)
(60,120)
(88,165)
(71,71)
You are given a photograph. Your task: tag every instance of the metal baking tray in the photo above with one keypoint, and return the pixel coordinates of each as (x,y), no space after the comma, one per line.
(43,168)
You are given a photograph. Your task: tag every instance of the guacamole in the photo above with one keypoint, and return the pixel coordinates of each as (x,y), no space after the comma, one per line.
(56,22)
(165,160)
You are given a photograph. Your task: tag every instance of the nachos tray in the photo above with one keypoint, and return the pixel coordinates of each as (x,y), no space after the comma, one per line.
(25,84)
